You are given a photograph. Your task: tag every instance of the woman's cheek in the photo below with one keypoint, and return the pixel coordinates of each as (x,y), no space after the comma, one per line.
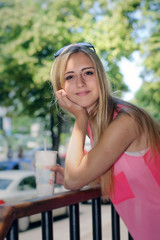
(68,90)
(67,87)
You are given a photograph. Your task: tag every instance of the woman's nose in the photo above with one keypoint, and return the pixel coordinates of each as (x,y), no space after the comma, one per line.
(80,81)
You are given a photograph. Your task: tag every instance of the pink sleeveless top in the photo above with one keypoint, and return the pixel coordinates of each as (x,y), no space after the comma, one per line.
(136,195)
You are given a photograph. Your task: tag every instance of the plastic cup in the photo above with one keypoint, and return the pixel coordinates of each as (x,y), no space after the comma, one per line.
(44,177)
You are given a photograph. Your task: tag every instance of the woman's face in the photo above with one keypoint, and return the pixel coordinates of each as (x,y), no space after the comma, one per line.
(80,81)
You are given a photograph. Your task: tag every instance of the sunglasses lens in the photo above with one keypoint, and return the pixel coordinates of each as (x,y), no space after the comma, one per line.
(88,45)
(59,52)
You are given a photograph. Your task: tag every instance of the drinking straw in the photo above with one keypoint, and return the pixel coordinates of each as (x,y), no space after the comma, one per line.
(45,147)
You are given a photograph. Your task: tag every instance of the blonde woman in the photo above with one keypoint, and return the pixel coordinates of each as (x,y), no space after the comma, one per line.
(125,156)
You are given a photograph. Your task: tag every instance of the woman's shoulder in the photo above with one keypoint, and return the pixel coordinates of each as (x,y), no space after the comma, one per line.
(127,126)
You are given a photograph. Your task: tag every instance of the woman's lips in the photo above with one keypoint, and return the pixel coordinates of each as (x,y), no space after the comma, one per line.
(83,93)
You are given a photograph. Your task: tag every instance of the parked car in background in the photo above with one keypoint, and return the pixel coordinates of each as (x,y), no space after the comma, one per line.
(20,185)
(9,165)
(15,165)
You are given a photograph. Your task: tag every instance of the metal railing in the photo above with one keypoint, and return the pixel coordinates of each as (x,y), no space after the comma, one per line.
(9,214)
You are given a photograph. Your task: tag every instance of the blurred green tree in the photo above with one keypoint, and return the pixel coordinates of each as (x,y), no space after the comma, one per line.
(148,96)
(32,30)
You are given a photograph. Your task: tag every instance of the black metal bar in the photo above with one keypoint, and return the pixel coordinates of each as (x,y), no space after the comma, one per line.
(115,224)
(96,219)
(130,237)
(74,222)
(13,232)
(47,225)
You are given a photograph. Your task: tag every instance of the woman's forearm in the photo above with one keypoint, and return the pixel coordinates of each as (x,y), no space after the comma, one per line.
(75,151)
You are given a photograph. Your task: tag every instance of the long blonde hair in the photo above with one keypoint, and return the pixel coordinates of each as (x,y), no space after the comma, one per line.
(101,116)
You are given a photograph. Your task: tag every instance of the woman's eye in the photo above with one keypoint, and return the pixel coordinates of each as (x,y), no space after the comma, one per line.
(89,73)
(68,77)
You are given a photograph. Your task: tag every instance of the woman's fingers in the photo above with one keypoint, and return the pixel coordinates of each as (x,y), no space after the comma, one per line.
(59,174)
(61,94)
(67,104)
(62,99)
(57,168)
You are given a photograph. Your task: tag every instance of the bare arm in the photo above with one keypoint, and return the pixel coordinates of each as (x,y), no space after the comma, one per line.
(82,169)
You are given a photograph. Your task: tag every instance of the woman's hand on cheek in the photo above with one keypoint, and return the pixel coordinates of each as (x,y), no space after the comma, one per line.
(67,104)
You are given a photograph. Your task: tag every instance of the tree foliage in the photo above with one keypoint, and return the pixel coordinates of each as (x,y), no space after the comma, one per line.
(149,98)
(150,48)
(148,95)
(32,30)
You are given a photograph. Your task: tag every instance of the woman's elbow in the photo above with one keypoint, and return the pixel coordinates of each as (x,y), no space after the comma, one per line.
(71,184)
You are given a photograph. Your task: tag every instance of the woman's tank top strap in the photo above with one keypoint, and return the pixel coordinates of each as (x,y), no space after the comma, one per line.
(116,111)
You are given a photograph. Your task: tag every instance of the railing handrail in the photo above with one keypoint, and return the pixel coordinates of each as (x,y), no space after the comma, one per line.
(10,212)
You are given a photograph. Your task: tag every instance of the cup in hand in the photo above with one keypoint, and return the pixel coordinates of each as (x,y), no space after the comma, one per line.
(44,177)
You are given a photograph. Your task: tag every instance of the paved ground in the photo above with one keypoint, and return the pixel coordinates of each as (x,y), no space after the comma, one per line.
(61,226)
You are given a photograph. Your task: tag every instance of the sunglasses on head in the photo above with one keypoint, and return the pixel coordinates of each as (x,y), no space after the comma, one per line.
(88,45)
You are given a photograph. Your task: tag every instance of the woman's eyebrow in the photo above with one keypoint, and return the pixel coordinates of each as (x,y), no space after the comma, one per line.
(85,68)
(69,72)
